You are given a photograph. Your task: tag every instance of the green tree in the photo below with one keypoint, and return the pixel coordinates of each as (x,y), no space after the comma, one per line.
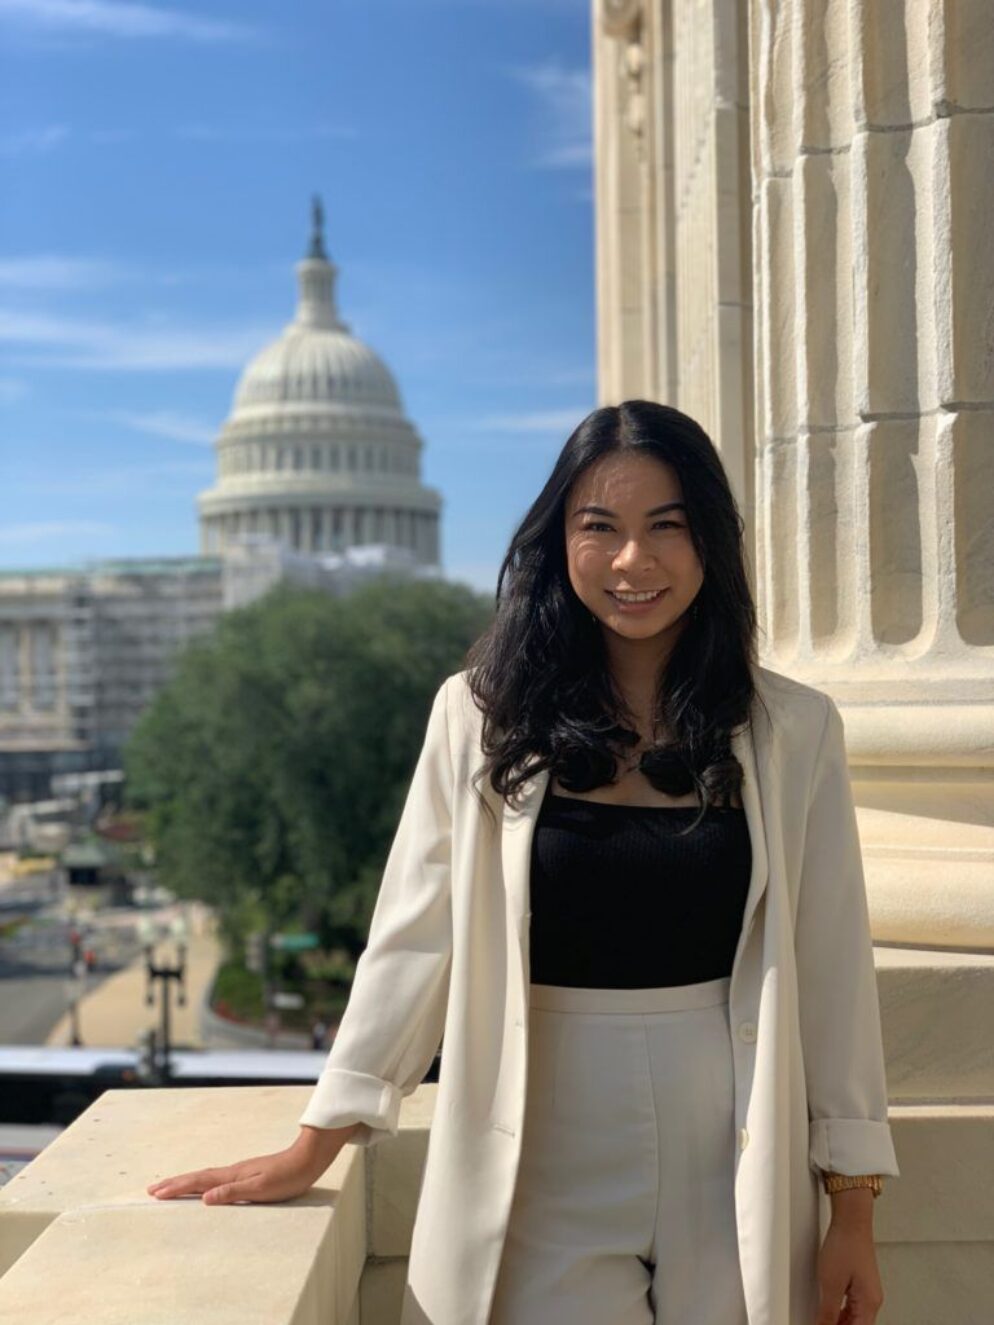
(273,767)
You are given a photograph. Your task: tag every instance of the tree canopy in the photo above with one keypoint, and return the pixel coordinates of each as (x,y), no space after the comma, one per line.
(273,766)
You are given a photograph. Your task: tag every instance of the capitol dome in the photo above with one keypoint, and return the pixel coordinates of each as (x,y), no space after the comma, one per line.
(310,365)
(317,451)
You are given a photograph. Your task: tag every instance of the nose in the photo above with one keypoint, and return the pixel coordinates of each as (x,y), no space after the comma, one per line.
(629,554)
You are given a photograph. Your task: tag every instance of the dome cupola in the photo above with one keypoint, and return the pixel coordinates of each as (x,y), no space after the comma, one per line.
(317,451)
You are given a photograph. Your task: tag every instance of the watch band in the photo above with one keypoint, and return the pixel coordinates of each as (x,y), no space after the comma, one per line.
(838,1182)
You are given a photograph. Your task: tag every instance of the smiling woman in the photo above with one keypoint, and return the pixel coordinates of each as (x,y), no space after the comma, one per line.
(650,1048)
(638,660)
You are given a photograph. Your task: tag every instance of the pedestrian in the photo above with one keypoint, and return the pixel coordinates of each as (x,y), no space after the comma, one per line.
(319,1032)
(625,897)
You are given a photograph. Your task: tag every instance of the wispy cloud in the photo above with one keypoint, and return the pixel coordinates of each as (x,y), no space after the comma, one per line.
(43,531)
(152,346)
(566,98)
(50,271)
(166,423)
(114,18)
(23,142)
(46,138)
(537,421)
(65,272)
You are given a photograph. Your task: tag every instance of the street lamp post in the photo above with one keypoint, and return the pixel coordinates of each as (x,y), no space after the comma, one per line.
(160,1065)
(75,990)
(76,987)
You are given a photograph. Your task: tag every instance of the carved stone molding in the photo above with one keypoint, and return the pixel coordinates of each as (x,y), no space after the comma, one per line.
(632,67)
(619,18)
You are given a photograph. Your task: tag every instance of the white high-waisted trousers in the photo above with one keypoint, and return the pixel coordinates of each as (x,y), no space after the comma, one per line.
(624,1209)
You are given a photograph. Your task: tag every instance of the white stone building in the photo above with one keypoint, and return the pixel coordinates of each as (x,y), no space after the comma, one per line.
(83,651)
(317,451)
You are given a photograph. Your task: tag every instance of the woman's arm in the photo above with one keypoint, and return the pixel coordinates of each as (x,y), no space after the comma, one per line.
(837,983)
(392,1027)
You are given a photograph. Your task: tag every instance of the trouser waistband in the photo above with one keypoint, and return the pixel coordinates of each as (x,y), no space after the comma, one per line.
(665,998)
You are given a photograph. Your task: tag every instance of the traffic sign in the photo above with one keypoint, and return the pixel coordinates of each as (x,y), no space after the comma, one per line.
(293,942)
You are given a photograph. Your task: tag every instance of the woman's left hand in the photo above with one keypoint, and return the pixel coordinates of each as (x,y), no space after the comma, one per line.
(847,1267)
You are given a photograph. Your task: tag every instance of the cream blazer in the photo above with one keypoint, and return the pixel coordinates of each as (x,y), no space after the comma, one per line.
(448,953)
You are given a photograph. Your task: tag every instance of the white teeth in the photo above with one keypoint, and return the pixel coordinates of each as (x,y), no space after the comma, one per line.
(634,597)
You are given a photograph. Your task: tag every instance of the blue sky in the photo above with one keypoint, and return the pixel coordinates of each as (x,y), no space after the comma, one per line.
(156,169)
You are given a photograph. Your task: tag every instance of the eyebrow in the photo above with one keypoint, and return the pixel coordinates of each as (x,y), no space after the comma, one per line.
(656,510)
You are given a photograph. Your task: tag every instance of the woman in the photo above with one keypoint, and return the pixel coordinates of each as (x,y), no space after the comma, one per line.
(626,889)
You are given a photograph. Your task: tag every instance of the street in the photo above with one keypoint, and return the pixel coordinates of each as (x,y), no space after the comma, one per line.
(36,960)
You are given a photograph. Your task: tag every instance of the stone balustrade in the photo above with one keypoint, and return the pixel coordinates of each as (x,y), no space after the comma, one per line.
(82,1241)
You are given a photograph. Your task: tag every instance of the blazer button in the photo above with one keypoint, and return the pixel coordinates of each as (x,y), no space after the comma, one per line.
(743,1138)
(747,1031)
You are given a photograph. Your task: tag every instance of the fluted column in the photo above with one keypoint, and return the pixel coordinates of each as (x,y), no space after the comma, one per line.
(673,216)
(873,143)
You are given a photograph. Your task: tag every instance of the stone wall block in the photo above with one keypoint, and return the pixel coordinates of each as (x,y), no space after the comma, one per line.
(381,1292)
(824,237)
(966,310)
(892,64)
(973,527)
(730,171)
(777,257)
(936,1007)
(969,54)
(778,496)
(900,449)
(894,342)
(734,399)
(777,134)
(825,110)
(934,1283)
(825,459)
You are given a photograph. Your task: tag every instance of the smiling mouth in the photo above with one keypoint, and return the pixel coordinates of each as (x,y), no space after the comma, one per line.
(627,599)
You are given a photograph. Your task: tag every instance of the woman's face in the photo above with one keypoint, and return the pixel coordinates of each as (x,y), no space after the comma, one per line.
(638,539)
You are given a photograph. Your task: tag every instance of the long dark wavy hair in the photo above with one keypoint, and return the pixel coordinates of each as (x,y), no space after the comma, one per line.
(539,674)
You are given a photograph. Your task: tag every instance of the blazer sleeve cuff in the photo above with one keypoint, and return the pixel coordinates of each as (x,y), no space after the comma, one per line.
(341,1098)
(852,1145)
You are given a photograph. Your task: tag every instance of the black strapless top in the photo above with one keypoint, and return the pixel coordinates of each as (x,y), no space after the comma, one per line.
(619,901)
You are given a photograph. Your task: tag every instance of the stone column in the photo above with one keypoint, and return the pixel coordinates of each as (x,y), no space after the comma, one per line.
(285,533)
(873,146)
(671,127)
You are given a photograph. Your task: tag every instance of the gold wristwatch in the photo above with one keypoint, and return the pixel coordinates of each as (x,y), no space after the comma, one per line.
(839,1182)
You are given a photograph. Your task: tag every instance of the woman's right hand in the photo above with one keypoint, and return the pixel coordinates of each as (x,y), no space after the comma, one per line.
(277,1177)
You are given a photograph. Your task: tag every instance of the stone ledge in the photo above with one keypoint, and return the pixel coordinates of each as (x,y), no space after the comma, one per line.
(81,1241)
(937,1010)
(946,1155)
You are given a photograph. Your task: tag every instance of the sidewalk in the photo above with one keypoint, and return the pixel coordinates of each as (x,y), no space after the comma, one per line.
(115,1014)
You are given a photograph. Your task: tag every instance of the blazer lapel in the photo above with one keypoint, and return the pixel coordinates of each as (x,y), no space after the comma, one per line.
(517,830)
(750,748)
